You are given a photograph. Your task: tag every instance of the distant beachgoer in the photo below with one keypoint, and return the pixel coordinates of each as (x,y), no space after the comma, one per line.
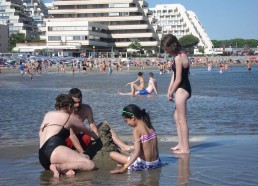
(84,66)
(110,69)
(22,69)
(248,65)
(29,71)
(55,128)
(146,154)
(79,66)
(152,86)
(137,87)
(62,67)
(161,68)
(180,86)
(209,66)
(221,68)
(72,67)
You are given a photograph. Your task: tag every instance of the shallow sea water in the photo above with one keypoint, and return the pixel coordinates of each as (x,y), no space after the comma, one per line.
(221,104)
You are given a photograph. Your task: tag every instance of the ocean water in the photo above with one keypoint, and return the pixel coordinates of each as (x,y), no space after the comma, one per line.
(221,105)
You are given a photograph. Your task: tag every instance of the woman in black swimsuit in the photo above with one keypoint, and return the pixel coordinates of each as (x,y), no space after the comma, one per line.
(55,128)
(179,85)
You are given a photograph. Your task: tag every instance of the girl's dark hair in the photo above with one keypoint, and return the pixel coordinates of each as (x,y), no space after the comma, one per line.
(170,42)
(140,73)
(75,92)
(63,101)
(133,110)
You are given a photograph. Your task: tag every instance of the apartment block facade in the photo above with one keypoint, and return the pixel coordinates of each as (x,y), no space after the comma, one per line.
(175,19)
(13,13)
(102,25)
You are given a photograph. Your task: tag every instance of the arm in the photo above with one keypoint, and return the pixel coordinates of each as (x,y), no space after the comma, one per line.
(155,87)
(178,79)
(75,141)
(133,157)
(91,121)
(138,79)
(170,86)
(78,127)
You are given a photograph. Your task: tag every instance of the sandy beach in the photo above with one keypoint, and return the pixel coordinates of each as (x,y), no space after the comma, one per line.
(214,160)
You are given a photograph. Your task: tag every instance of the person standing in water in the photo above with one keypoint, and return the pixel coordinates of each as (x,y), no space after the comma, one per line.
(179,90)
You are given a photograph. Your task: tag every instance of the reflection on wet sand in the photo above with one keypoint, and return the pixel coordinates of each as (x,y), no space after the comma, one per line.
(183,171)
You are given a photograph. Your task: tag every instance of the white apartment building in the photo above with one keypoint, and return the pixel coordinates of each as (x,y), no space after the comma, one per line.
(175,19)
(14,14)
(99,25)
(36,9)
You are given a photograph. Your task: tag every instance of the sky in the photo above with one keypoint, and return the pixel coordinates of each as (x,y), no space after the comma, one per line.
(221,19)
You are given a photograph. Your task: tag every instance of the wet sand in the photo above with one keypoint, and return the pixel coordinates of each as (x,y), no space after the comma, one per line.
(214,160)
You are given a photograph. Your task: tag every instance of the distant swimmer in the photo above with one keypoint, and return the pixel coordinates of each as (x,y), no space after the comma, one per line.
(152,86)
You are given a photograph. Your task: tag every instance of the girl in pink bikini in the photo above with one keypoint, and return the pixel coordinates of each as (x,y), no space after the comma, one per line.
(146,154)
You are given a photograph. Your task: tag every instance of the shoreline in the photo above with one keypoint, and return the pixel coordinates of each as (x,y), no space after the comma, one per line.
(6,70)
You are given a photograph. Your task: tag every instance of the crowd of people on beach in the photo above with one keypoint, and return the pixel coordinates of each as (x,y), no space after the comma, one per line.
(32,66)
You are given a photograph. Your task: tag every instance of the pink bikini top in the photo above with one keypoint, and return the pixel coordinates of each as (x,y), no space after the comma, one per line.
(147,137)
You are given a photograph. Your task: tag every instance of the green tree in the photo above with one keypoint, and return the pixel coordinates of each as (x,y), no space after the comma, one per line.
(235,43)
(135,45)
(37,40)
(16,38)
(188,42)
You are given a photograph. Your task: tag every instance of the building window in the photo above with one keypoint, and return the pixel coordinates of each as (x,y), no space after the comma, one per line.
(114,14)
(118,5)
(54,38)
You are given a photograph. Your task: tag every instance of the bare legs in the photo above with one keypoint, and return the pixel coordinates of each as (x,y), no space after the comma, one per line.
(57,171)
(134,88)
(65,160)
(181,123)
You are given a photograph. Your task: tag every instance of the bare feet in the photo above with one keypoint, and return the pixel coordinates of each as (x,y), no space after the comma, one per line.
(175,148)
(70,173)
(180,151)
(55,170)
